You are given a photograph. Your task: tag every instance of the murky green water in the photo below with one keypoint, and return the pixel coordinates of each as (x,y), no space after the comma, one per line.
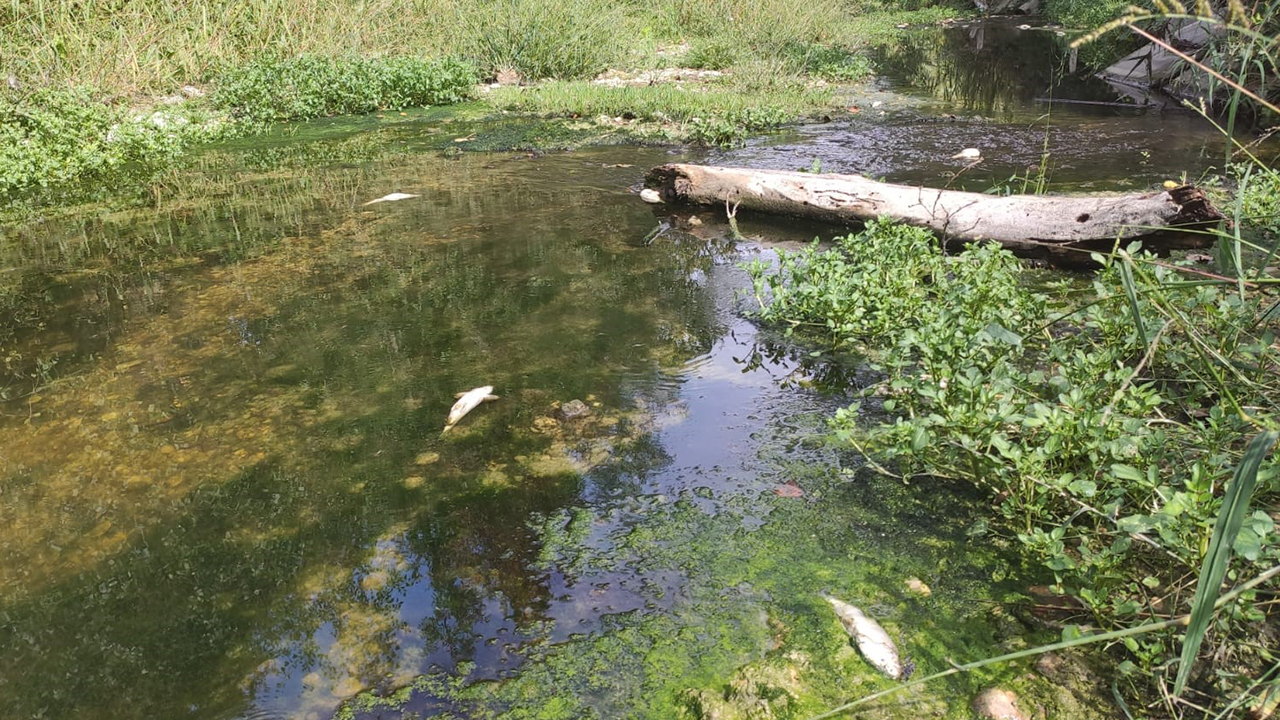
(224,492)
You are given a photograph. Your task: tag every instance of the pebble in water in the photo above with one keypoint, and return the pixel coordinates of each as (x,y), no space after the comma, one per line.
(997,704)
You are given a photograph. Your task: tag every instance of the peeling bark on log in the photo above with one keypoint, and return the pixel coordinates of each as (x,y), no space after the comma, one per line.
(1058,228)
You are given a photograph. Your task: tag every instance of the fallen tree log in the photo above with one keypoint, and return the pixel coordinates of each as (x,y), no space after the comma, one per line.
(1059,228)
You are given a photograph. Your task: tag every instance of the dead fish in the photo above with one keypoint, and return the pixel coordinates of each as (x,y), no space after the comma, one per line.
(968,154)
(467,401)
(392,198)
(873,642)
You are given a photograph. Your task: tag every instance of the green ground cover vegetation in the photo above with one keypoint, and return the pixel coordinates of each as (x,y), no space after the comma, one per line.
(1109,418)
(1124,422)
(98,87)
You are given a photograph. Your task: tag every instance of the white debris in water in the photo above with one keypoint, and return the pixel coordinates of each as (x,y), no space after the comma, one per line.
(650,196)
(392,198)
(467,402)
(873,642)
(968,154)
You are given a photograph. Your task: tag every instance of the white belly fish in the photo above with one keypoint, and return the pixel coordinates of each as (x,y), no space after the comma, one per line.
(873,642)
(392,198)
(467,402)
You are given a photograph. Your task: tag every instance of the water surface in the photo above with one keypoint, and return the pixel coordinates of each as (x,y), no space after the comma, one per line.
(1010,92)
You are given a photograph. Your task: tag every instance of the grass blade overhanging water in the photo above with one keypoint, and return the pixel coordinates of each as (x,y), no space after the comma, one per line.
(1235,503)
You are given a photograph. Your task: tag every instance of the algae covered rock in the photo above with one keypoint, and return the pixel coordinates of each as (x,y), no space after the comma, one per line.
(998,704)
(761,691)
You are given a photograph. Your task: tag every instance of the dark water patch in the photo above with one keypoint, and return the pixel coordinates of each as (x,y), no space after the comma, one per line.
(985,85)
(998,68)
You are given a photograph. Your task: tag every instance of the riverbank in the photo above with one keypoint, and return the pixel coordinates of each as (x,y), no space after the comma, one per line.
(86,102)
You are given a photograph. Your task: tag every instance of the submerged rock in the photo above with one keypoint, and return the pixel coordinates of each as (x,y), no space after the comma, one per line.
(573,410)
(997,704)
(544,425)
(917,586)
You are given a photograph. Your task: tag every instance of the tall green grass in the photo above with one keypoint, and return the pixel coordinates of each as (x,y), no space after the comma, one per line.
(150,46)
(154,46)
(277,60)
(538,39)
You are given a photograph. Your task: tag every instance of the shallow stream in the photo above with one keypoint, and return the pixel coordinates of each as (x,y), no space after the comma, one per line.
(224,492)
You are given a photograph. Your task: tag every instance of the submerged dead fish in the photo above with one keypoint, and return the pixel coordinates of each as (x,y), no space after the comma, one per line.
(873,642)
(392,198)
(467,402)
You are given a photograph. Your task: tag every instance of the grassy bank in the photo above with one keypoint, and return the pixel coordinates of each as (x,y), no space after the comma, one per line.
(98,87)
(1124,424)
(1105,421)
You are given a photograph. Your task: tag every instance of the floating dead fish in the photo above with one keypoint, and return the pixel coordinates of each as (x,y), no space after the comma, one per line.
(873,642)
(650,196)
(392,198)
(468,401)
(968,154)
